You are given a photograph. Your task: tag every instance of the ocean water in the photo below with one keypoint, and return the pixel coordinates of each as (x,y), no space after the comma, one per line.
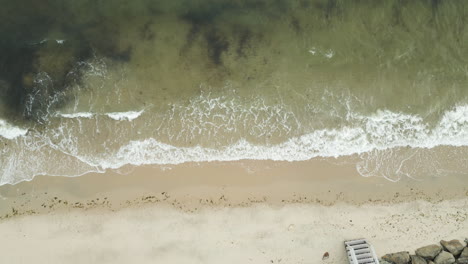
(89,86)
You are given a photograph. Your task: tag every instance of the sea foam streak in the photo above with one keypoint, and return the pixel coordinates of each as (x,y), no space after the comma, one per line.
(119,116)
(129,116)
(77,115)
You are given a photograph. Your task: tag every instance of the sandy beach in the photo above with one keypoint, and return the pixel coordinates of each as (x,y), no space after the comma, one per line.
(248,212)
(232,131)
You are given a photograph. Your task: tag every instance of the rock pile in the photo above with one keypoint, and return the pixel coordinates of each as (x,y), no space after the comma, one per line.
(448,252)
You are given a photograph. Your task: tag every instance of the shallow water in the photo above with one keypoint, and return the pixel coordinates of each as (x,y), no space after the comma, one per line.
(89,86)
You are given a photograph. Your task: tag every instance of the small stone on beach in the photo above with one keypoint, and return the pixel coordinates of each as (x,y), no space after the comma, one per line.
(325,256)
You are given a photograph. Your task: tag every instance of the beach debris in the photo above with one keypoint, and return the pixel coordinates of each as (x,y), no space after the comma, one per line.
(417,260)
(325,256)
(444,258)
(398,258)
(429,252)
(359,251)
(453,246)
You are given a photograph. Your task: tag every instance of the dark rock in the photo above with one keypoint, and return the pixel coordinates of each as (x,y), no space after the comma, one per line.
(417,260)
(398,258)
(444,258)
(429,252)
(453,246)
(464,253)
(325,256)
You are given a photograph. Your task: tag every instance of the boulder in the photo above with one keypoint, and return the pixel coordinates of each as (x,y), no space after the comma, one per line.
(384,262)
(453,246)
(417,260)
(463,260)
(398,258)
(429,252)
(464,253)
(444,258)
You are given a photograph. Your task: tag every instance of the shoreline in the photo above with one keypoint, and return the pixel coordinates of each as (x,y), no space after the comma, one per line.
(191,186)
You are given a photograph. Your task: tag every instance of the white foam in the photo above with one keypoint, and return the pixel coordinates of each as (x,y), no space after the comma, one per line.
(214,118)
(329,54)
(381,131)
(326,53)
(313,50)
(77,115)
(9,131)
(128,116)
(118,116)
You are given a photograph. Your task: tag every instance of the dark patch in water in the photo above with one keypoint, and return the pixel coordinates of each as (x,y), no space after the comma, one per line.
(435,6)
(397,17)
(305,4)
(123,56)
(36,71)
(396,14)
(146,32)
(35,74)
(329,8)
(15,63)
(202,20)
(245,37)
(104,39)
(191,37)
(295,24)
(206,21)
(207,12)
(216,45)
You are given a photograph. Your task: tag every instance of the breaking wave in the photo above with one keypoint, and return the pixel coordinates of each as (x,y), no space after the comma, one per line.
(9,131)
(384,142)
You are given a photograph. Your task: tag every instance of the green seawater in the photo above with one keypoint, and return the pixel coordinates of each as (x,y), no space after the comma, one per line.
(205,80)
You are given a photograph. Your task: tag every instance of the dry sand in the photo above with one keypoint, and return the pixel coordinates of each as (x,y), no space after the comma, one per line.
(238,212)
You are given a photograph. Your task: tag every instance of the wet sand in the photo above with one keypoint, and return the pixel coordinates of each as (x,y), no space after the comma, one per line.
(247,211)
(193,185)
